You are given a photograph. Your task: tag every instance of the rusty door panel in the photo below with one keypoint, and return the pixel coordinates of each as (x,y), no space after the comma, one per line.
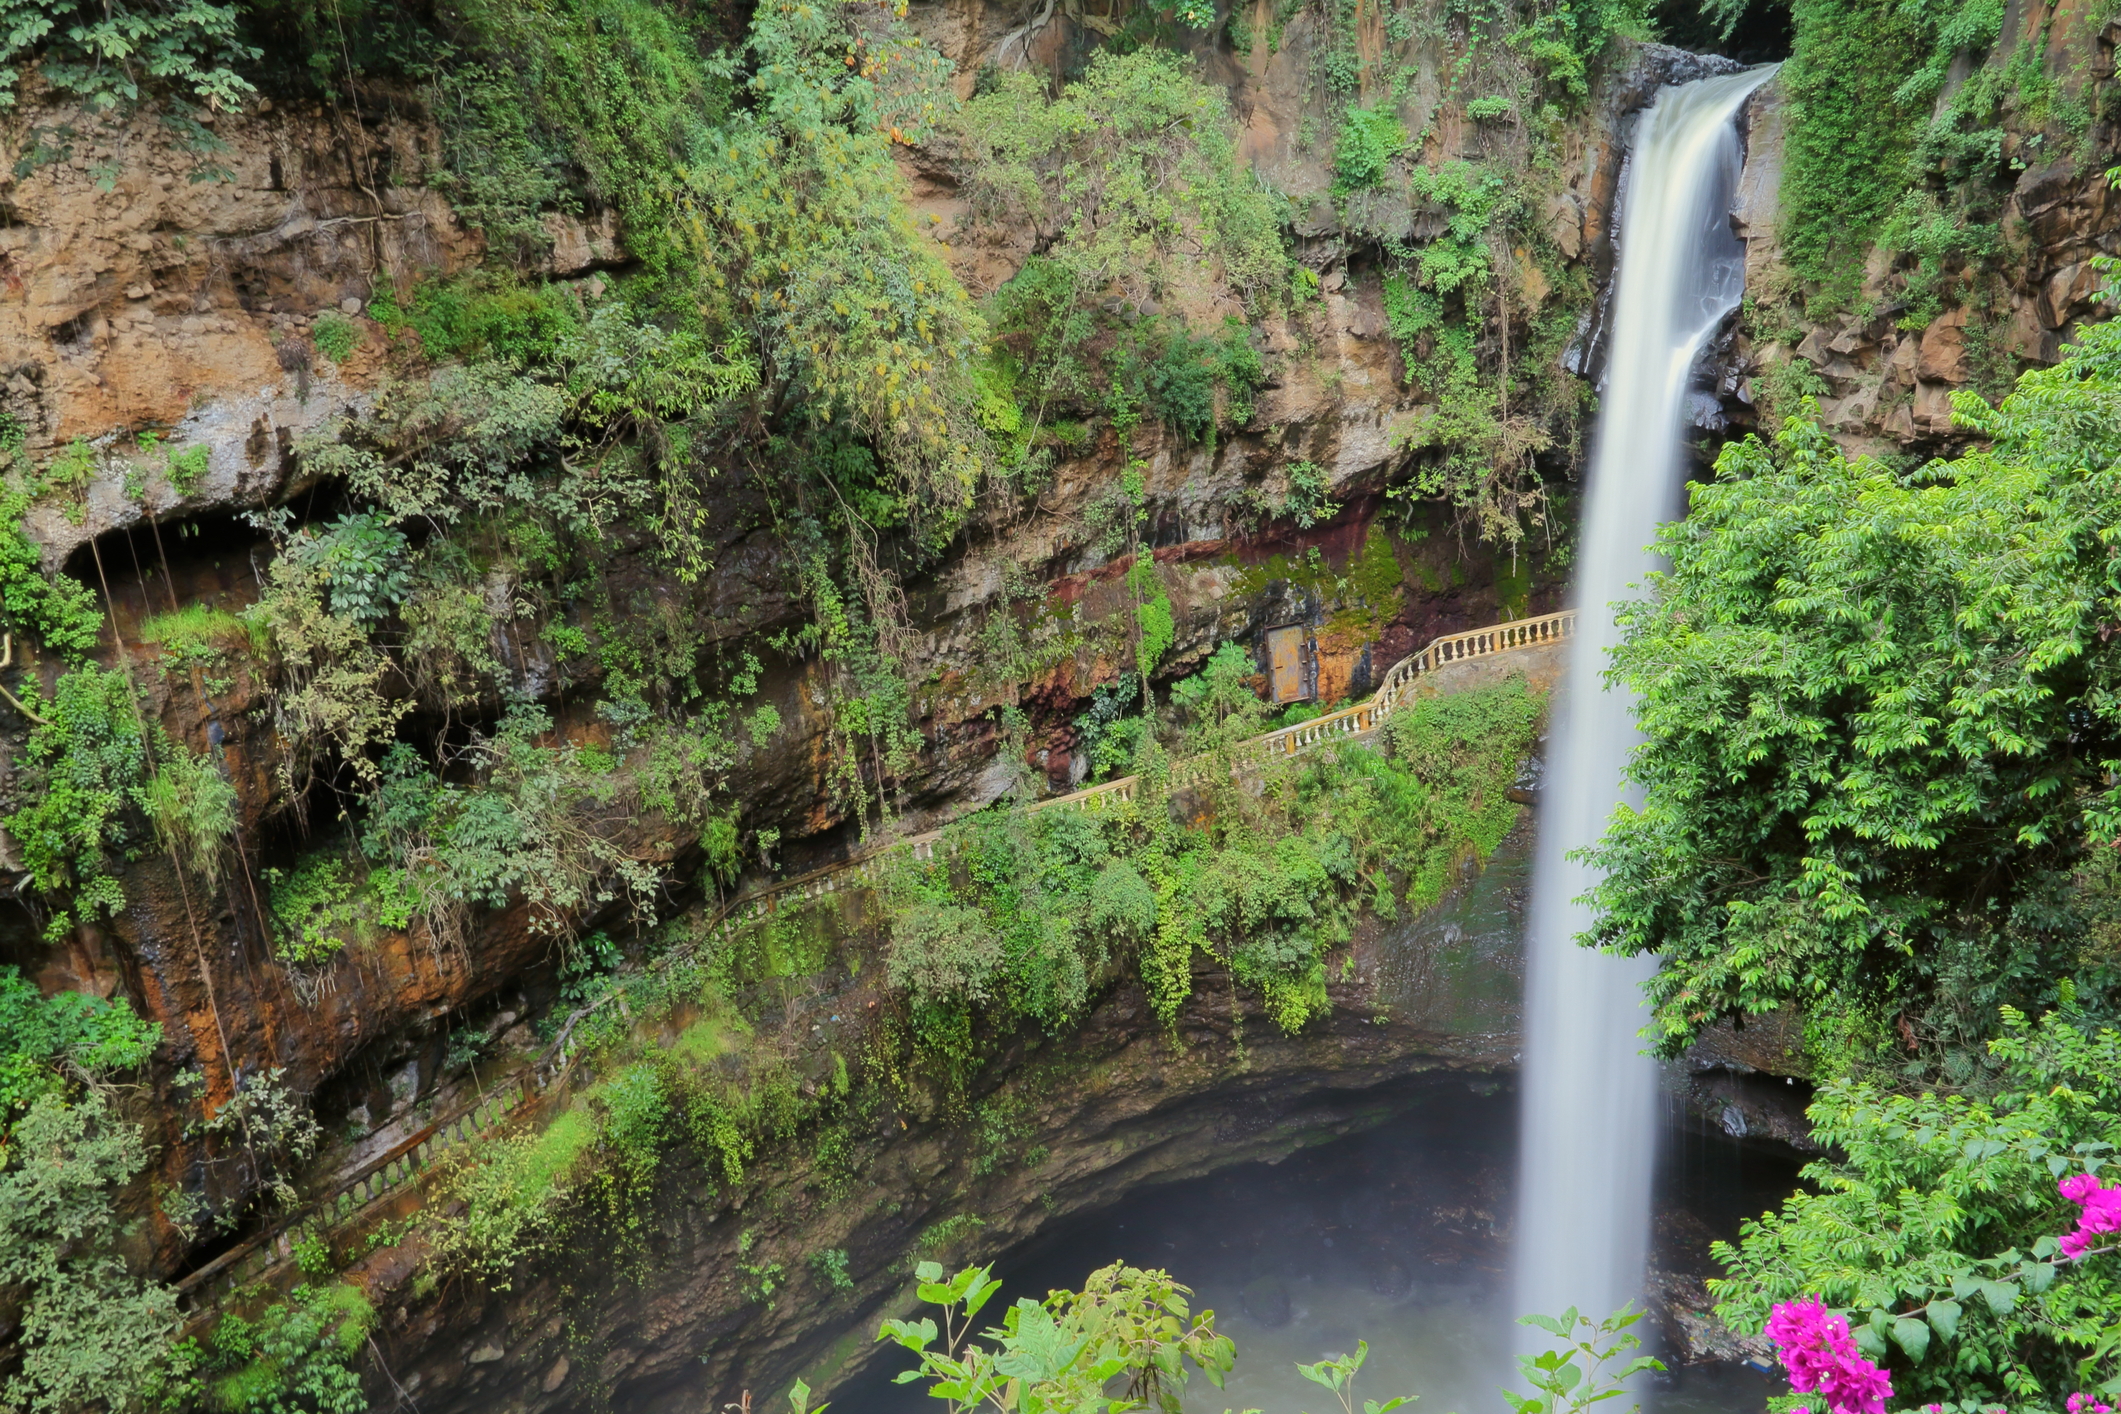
(1285,659)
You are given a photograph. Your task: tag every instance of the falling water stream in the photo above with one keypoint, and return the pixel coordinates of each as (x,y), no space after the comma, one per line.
(1589,1110)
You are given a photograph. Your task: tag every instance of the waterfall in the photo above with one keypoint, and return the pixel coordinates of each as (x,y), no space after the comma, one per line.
(1589,1108)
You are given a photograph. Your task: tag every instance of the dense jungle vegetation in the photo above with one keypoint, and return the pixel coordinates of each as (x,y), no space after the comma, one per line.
(1879,700)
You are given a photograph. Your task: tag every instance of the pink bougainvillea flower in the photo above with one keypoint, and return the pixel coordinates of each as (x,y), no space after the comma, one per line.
(1821,1357)
(2087,1404)
(2102,1212)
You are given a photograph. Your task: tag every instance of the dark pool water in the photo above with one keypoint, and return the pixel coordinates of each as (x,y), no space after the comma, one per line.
(1391,1237)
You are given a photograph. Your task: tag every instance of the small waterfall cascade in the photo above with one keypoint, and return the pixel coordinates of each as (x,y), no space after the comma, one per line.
(1589,1110)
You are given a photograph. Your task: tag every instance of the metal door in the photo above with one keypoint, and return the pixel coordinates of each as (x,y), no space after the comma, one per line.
(1285,659)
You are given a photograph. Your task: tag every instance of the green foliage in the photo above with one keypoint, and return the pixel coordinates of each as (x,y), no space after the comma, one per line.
(78,782)
(1306,502)
(335,336)
(361,562)
(1933,1225)
(295,1357)
(1127,169)
(1879,720)
(88,1331)
(186,467)
(1061,1354)
(1039,907)
(332,706)
(1130,177)
(1105,734)
(514,1194)
(57,610)
(313,908)
(760,1278)
(1463,750)
(46,1043)
(480,318)
(831,1268)
(1564,42)
(1869,135)
(1220,704)
(1476,440)
(109,52)
(1920,226)
(1573,1376)
(193,808)
(1336,1375)
(943,953)
(523,828)
(1369,139)
(586,974)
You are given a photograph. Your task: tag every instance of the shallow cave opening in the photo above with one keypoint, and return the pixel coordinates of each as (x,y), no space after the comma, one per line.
(154,568)
(1763,34)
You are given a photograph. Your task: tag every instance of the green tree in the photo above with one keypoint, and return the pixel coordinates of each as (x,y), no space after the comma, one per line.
(1879,713)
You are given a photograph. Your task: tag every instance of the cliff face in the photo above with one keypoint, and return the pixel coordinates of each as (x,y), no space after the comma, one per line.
(1885,363)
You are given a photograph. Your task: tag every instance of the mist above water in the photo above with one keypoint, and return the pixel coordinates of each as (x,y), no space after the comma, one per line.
(1589,1116)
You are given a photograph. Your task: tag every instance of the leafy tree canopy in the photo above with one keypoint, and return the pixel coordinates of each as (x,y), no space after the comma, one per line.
(1879,711)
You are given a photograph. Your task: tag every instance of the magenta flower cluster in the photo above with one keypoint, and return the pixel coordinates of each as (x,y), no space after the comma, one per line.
(2102,1212)
(1821,1357)
(2088,1404)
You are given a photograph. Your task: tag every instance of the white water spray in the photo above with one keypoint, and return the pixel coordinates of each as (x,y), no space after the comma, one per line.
(1589,1112)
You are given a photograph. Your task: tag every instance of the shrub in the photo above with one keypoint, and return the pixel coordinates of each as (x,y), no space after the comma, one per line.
(296,1357)
(1369,139)
(78,783)
(193,808)
(361,561)
(942,952)
(312,910)
(335,336)
(55,609)
(88,1331)
(47,1042)
(1935,1223)
(1154,142)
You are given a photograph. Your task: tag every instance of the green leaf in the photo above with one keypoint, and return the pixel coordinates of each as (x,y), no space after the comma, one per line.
(1944,1318)
(2001,1296)
(1912,1336)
